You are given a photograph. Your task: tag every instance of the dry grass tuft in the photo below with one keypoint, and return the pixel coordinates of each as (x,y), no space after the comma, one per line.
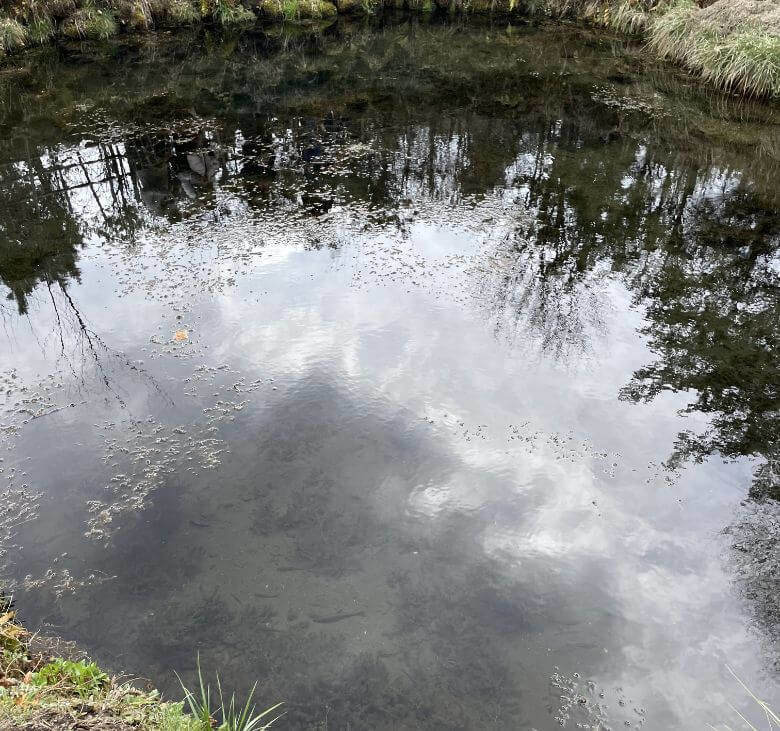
(90,21)
(629,17)
(13,35)
(733,45)
(180,12)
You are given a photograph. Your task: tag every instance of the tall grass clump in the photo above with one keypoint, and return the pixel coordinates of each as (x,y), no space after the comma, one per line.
(747,62)
(40,30)
(741,56)
(627,17)
(13,35)
(230,12)
(90,21)
(138,15)
(290,9)
(226,714)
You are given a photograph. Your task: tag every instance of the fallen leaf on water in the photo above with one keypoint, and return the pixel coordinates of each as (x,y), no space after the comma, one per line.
(181,335)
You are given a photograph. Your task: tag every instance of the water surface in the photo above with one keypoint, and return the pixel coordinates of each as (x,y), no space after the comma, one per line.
(427,374)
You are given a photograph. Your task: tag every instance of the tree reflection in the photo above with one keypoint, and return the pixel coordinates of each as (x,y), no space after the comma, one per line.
(39,235)
(713,312)
(597,192)
(596,186)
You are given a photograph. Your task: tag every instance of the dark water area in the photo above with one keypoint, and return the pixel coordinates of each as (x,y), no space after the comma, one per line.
(427,374)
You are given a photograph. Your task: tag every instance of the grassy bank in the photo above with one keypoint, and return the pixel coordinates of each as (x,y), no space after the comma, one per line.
(733,45)
(42,689)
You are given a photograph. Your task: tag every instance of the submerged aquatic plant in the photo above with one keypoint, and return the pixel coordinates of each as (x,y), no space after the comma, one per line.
(229,715)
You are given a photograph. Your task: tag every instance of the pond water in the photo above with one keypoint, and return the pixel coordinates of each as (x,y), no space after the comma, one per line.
(426,373)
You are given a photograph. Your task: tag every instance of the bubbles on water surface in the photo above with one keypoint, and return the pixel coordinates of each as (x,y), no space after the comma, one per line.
(585,704)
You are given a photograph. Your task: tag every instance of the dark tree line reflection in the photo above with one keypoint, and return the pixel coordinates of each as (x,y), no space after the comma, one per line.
(39,233)
(714,323)
(688,222)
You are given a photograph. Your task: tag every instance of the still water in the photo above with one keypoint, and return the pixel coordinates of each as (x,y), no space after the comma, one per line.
(426,374)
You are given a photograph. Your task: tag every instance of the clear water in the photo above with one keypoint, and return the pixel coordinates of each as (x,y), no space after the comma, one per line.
(425,373)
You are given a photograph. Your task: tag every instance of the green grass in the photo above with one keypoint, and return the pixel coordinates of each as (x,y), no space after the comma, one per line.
(229,715)
(83,678)
(228,12)
(181,12)
(90,21)
(746,61)
(13,35)
(40,30)
(139,15)
(56,692)
(626,17)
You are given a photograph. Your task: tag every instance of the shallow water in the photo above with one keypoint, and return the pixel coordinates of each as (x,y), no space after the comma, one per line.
(427,374)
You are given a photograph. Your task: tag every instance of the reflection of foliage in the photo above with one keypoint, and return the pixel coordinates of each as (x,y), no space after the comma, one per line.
(398,109)
(39,241)
(714,320)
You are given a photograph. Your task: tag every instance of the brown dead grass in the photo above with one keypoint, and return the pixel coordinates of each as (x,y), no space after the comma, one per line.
(728,16)
(48,720)
(732,44)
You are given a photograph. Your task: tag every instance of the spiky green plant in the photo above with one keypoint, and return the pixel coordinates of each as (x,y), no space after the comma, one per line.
(233,716)
(200,704)
(236,717)
(40,30)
